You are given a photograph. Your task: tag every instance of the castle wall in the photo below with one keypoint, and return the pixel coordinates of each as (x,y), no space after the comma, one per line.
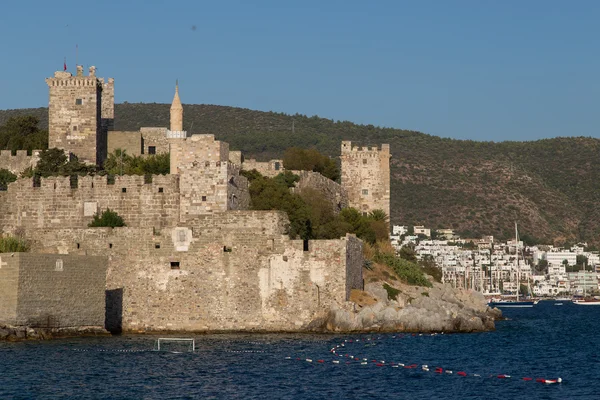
(130,141)
(9,284)
(74,112)
(55,290)
(269,169)
(211,186)
(196,149)
(19,162)
(366,177)
(331,191)
(56,204)
(108,104)
(156,138)
(236,157)
(225,271)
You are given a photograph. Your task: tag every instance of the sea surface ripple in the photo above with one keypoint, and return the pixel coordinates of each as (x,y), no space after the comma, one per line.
(547,341)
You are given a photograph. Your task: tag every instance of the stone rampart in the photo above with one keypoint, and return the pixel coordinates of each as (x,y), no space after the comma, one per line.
(227,271)
(52,290)
(330,191)
(270,168)
(67,203)
(19,162)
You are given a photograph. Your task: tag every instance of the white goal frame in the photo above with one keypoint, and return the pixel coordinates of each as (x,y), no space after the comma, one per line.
(176,340)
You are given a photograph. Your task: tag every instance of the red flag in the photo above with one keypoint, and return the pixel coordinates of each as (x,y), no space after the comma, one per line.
(65,65)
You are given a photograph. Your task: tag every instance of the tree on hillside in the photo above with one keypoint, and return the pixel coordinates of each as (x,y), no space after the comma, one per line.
(272,194)
(22,133)
(296,158)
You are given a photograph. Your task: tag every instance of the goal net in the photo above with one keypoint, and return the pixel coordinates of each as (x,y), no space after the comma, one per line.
(176,345)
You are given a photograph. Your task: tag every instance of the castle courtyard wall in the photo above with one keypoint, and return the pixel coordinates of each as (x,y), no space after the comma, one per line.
(226,271)
(52,290)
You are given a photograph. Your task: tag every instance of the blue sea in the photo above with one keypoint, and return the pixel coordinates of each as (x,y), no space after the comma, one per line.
(546,341)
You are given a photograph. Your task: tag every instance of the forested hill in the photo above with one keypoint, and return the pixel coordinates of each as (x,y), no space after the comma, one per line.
(551,187)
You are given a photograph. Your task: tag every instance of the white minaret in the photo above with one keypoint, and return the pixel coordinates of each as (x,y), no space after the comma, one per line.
(176,130)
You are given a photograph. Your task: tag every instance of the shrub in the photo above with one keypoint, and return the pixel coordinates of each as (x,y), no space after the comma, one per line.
(6,177)
(407,271)
(11,244)
(391,291)
(108,218)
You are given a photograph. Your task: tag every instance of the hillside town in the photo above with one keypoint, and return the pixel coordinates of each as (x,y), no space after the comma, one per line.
(491,267)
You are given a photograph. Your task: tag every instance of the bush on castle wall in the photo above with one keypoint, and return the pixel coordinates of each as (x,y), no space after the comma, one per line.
(121,163)
(6,177)
(10,244)
(108,219)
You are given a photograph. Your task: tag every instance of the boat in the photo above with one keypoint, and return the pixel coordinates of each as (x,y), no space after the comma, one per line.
(587,302)
(516,303)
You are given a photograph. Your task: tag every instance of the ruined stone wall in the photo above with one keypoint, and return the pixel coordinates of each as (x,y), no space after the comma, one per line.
(331,191)
(154,140)
(55,290)
(19,162)
(74,112)
(366,176)
(57,204)
(227,271)
(270,168)
(130,141)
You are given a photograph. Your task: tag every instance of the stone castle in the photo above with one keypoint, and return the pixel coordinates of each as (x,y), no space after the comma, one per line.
(192,257)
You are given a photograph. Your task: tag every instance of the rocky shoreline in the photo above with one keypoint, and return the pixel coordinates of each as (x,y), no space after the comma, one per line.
(440,308)
(20,333)
(379,308)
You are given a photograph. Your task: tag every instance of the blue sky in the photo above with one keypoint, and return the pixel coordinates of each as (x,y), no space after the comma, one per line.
(468,69)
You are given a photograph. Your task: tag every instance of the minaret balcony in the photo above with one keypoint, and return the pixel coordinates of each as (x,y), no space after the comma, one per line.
(176,134)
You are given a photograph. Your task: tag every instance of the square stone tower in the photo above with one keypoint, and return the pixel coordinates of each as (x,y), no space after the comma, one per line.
(75,120)
(366,177)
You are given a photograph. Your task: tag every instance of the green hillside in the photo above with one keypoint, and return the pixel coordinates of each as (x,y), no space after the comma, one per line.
(549,186)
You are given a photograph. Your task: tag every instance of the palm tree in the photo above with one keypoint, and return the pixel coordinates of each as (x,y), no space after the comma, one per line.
(378,215)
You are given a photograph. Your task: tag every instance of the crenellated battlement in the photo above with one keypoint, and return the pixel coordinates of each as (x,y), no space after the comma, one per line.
(131,183)
(20,161)
(348,149)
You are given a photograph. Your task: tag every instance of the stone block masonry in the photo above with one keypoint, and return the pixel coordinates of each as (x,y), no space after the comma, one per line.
(19,162)
(67,203)
(52,290)
(235,270)
(366,177)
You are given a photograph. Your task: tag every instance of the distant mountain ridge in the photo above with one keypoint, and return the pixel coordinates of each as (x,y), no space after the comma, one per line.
(551,187)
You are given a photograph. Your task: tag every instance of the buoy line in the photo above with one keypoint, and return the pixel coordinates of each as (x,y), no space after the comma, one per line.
(342,350)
